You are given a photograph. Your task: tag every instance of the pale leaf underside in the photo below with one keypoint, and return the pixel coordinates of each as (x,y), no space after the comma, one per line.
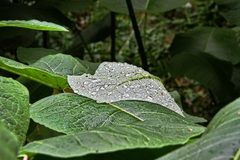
(114,82)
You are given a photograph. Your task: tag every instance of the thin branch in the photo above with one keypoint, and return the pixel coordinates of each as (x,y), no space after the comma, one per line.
(137,35)
(113,36)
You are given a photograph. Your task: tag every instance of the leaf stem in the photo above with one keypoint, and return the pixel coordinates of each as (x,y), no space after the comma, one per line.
(113,36)
(137,35)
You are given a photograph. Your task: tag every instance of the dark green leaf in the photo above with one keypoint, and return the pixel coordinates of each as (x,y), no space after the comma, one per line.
(218,42)
(206,69)
(38,75)
(67,5)
(152,6)
(33,24)
(31,55)
(221,141)
(9,144)
(230,10)
(14,107)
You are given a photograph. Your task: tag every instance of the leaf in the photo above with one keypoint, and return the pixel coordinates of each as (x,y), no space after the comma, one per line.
(71,113)
(67,5)
(206,69)
(209,40)
(44,77)
(152,6)
(146,134)
(221,141)
(230,10)
(33,24)
(14,107)
(31,55)
(61,64)
(114,82)
(9,143)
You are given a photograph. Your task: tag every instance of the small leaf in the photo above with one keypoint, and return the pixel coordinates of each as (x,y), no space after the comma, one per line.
(44,77)
(147,134)
(14,107)
(114,82)
(33,24)
(221,140)
(9,144)
(31,55)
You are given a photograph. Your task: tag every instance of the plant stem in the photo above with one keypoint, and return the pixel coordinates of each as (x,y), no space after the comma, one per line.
(113,36)
(137,35)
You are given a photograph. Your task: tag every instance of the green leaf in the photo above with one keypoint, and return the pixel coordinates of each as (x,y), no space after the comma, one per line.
(14,107)
(206,69)
(33,24)
(31,55)
(152,6)
(114,82)
(61,64)
(9,144)
(221,141)
(230,10)
(67,5)
(209,40)
(71,113)
(146,134)
(44,77)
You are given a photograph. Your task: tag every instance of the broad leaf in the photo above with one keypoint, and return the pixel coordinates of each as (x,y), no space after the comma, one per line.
(209,40)
(33,24)
(44,77)
(212,73)
(14,107)
(152,6)
(221,140)
(71,113)
(114,82)
(147,134)
(230,10)
(67,5)
(9,144)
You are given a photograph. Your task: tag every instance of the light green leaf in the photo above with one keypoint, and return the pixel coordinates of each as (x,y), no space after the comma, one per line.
(146,134)
(114,82)
(152,6)
(61,64)
(44,77)
(221,141)
(14,107)
(9,144)
(230,10)
(33,24)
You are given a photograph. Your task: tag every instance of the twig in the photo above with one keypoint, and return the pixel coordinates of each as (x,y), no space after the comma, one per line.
(113,36)
(137,35)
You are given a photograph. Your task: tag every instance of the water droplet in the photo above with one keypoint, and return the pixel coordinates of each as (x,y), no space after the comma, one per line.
(93,93)
(126,95)
(96,80)
(86,83)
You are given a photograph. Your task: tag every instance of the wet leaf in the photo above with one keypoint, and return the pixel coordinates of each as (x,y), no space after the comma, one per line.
(114,82)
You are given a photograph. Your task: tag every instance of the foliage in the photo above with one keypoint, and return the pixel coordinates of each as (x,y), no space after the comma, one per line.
(39,121)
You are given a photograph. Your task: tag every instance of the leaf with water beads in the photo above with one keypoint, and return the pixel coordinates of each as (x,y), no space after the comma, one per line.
(114,82)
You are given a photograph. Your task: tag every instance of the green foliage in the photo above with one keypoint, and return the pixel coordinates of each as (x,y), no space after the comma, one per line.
(94,125)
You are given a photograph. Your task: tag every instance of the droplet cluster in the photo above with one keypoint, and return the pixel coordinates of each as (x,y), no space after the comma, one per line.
(121,81)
